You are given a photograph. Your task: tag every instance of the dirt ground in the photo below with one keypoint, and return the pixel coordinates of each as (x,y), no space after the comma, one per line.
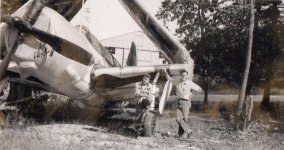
(209,133)
(212,129)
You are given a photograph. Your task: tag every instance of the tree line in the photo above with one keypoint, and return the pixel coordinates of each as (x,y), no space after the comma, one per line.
(217,32)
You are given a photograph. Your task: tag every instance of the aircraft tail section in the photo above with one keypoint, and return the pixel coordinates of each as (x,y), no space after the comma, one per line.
(132,57)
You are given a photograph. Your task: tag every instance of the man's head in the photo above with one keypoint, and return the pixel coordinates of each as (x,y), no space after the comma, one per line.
(184,75)
(146,79)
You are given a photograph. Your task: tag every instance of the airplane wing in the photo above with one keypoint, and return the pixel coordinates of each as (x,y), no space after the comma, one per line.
(171,48)
(110,78)
(100,48)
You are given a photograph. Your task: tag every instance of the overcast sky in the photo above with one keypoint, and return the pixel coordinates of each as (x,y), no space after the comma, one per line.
(108,18)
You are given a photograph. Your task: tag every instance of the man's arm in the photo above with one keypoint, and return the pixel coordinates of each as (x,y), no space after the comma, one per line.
(166,74)
(195,87)
(140,94)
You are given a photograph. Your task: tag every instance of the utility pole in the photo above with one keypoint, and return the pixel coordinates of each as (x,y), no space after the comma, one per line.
(242,93)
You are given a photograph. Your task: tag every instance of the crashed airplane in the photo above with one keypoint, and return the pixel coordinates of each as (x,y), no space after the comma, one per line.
(40,48)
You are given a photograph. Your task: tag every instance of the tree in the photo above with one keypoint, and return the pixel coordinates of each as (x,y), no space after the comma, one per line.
(270,32)
(209,30)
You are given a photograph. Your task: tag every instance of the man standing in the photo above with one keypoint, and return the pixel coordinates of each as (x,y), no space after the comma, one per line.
(184,91)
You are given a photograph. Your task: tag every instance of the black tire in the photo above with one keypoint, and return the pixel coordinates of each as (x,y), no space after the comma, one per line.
(149,124)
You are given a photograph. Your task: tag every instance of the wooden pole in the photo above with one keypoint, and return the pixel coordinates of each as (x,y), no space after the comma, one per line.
(248,61)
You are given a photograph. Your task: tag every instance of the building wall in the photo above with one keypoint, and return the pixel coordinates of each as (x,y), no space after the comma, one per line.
(147,52)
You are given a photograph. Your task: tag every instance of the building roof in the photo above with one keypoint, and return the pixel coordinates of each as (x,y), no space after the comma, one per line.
(140,39)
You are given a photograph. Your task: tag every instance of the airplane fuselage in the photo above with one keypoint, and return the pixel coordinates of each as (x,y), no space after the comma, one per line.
(38,59)
(55,70)
(53,51)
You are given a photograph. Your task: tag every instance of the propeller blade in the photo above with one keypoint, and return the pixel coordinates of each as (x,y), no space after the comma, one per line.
(60,45)
(12,34)
(11,51)
(12,41)
(13,38)
(3,83)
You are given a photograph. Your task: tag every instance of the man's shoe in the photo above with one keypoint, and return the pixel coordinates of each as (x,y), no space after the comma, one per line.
(182,138)
(189,132)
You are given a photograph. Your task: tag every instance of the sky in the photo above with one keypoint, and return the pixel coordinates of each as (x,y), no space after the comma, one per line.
(108,18)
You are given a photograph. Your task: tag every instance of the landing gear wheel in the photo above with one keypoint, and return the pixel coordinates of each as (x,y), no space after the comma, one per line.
(149,124)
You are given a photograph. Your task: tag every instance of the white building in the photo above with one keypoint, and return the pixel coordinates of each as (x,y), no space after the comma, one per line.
(147,52)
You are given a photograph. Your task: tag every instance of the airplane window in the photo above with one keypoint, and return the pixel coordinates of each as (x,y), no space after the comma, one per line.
(111,50)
